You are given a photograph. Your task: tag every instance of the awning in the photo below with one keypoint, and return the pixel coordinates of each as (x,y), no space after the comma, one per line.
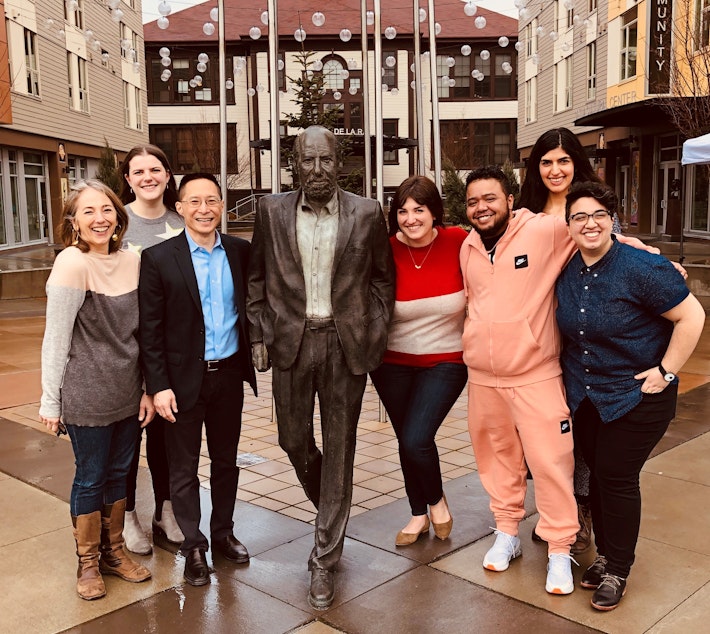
(638,114)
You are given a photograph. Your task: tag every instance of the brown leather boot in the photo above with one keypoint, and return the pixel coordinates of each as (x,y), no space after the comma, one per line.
(584,536)
(87,535)
(114,559)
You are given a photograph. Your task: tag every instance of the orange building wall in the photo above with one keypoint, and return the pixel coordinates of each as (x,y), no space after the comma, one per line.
(5,100)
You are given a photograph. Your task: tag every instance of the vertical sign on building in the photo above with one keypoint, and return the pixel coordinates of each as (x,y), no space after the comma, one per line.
(660,31)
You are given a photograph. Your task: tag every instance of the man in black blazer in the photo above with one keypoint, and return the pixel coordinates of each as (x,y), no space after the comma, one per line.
(195,356)
(321,294)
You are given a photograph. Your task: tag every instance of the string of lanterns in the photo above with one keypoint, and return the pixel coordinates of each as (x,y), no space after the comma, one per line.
(318,19)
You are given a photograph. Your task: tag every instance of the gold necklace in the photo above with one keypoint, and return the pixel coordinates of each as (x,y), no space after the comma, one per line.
(419,266)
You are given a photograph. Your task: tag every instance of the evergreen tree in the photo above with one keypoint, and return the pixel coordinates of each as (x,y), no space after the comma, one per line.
(509,171)
(454,194)
(108,170)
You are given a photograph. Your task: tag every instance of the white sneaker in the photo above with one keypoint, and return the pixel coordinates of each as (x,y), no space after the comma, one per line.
(559,574)
(506,547)
(168,526)
(134,537)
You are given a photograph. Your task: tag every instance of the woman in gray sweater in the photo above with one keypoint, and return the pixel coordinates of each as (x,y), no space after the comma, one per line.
(91,380)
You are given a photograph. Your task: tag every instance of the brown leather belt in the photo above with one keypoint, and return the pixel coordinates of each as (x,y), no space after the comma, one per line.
(320,322)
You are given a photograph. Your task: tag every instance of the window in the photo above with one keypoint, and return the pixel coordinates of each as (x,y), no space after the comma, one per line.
(702,13)
(177,88)
(31,66)
(75,17)
(281,79)
(132,113)
(700,195)
(78,83)
(332,79)
(564,16)
(195,148)
(629,34)
(127,104)
(389,77)
(592,6)
(562,85)
(129,43)
(77,169)
(390,128)
(531,38)
(531,100)
(138,107)
(496,83)
(473,143)
(24,69)
(591,71)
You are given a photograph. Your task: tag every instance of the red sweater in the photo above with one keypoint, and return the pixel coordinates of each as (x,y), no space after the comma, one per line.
(429,304)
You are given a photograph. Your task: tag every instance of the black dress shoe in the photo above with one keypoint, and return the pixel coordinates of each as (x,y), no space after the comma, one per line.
(197,572)
(607,596)
(322,589)
(231,548)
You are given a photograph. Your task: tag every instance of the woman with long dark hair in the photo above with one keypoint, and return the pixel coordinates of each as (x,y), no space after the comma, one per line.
(150,194)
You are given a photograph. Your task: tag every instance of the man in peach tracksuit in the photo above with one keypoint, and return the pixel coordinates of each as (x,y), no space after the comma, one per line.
(517,412)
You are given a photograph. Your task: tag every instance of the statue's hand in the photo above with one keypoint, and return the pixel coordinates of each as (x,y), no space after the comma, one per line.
(260,356)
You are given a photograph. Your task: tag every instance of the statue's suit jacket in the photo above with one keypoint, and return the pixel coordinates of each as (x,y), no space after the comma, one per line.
(362,281)
(172,327)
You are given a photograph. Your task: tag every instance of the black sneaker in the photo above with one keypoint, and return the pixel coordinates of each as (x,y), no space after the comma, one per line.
(608,594)
(592,576)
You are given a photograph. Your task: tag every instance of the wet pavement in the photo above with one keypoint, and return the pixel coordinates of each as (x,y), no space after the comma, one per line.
(430,586)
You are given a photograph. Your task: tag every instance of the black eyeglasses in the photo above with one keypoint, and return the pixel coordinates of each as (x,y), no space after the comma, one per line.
(582,218)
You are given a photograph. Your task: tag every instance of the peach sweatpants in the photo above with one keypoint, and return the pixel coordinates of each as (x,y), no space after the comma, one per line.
(512,426)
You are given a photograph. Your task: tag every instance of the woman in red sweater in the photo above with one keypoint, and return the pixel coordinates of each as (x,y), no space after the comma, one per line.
(422,373)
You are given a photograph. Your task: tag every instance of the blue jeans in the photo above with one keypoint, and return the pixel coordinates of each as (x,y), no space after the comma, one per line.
(102,456)
(417,401)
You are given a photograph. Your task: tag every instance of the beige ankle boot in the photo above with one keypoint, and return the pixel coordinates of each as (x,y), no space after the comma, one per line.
(114,558)
(167,526)
(135,539)
(87,535)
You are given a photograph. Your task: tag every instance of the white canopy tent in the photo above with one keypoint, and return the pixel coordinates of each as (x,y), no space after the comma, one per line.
(696,151)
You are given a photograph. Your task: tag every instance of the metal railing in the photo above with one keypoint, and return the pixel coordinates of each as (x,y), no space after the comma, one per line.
(244,210)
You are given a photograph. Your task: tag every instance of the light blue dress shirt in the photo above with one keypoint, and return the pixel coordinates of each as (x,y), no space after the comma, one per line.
(214,280)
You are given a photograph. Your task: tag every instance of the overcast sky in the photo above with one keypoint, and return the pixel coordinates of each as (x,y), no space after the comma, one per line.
(150,7)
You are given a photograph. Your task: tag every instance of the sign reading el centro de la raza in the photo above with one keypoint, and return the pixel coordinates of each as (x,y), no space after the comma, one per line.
(659,53)
(348,131)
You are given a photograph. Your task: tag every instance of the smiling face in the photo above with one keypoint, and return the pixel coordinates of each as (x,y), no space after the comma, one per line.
(591,235)
(200,205)
(95,220)
(487,207)
(147,177)
(416,222)
(317,165)
(557,170)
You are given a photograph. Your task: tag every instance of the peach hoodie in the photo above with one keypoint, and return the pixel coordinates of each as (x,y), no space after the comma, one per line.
(510,334)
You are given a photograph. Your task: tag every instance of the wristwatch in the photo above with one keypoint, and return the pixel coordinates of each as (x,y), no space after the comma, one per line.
(667,376)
